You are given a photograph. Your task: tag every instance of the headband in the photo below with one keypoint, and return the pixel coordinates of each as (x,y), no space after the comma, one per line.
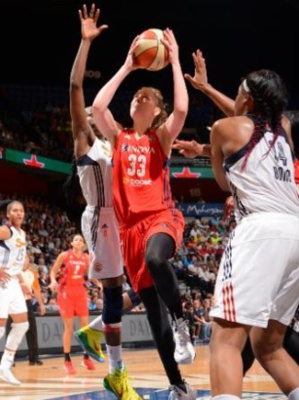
(245,86)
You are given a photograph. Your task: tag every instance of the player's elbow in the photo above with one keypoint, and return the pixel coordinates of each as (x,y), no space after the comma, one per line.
(74,85)
(98,107)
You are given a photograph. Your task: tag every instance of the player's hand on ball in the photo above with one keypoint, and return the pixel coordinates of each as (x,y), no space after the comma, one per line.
(170,43)
(130,60)
(149,51)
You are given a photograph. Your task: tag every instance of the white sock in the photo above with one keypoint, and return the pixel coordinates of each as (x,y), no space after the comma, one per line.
(8,358)
(226,397)
(13,342)
(16,335)
(114,358)
(97,323)
(294,395)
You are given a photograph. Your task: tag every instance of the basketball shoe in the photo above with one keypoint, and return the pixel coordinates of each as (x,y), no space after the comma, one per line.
(87,363)
(184,351)
(118,383)
(68,367)
(90,341)
(7,376)
(178,393)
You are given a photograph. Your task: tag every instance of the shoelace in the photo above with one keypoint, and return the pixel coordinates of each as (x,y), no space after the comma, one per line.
(126,383)
(125,387)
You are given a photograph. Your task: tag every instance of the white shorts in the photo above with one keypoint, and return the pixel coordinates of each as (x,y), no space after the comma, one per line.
(12,299)
(258,278)
(101,232)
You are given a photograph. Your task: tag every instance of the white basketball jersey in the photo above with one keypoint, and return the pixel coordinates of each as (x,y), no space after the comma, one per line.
(267,183)
(13,252)
(95,174)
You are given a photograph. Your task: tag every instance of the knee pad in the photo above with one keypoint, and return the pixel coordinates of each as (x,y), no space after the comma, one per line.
(112,306)
(16,334)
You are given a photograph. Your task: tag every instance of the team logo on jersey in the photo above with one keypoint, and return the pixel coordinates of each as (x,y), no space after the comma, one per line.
(104,228)
(140,182)
(98,267)
(20,243)
(124,147)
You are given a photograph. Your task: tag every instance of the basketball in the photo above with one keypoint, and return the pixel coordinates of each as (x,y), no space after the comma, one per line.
(150,53)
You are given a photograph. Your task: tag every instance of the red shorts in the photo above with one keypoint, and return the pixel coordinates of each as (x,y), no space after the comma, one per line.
(134,241)
(73,301)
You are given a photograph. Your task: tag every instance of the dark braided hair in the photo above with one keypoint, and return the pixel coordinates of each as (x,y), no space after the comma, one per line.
(270,98)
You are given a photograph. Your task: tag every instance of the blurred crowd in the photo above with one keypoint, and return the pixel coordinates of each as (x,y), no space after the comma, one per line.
(44,128)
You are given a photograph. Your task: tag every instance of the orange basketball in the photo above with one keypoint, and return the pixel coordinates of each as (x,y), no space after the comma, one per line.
(150,52)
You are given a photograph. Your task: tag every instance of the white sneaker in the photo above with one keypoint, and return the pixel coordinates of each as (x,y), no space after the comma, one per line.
(7,376)
(176,393)
(184,350)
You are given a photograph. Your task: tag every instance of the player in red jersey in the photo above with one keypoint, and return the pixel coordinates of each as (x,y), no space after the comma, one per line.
(151,227)
(98,221)
(72,298)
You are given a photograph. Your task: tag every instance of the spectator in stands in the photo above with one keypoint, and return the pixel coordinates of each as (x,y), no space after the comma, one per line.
(51,305)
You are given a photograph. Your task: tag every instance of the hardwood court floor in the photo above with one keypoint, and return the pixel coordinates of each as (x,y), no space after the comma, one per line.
(50,381)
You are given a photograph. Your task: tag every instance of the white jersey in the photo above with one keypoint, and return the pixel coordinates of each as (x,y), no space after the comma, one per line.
(98,223)
(13,252)
(269,186)
(95,174)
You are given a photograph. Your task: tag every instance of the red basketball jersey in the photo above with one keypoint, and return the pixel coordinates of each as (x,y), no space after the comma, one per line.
(74,270)
(141,180)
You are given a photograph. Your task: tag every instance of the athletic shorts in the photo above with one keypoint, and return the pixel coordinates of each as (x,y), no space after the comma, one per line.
(12,299)
(101,232)
(258,278)
(134,240)
(73,301)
